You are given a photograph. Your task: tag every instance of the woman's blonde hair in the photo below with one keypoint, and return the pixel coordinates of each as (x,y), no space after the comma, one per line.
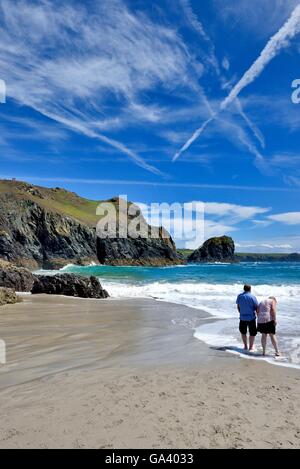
(273,298)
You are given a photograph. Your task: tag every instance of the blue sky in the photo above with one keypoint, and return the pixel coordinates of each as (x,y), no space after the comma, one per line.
(101,95)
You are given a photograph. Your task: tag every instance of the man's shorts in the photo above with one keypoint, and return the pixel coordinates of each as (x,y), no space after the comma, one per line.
(251,325)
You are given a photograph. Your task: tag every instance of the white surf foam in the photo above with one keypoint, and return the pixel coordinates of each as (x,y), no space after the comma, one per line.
(219,301)
(216,299)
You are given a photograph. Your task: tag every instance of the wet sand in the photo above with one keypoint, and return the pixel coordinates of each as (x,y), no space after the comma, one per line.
(123,374)
(48,334)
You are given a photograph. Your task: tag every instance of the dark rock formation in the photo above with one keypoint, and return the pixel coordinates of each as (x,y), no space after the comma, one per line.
(142,244)
(7,297)
(69,285)
(294,257)
(32,236)
(214,250)
(140,251)
(22,280)
(17,278)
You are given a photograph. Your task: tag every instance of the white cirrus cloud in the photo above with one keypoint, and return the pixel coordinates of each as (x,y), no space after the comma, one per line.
(263,246)
(69,62)
(261,223)
(292,180)
(243,212)
(238,212)
(288,218)
(140,182)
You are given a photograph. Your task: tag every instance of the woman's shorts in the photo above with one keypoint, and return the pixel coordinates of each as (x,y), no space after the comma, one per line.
(267,328)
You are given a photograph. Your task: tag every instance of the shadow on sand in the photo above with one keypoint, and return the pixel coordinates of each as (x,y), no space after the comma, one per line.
(256,354)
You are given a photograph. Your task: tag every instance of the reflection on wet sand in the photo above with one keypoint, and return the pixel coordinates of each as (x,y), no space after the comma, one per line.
(47,334)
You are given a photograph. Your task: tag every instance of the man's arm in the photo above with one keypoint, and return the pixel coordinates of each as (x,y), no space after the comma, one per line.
(256,306)
(237,305)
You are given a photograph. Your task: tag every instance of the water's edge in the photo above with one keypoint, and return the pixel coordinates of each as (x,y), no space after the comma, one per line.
(213,288)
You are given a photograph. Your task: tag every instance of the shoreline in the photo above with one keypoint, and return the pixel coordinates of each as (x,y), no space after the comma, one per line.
(236,351)
(213,288)
(203,317)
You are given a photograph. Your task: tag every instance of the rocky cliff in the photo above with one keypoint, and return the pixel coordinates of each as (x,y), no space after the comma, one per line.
(33,236)
(144,244)
(218,249)
(50,228)
(137,252)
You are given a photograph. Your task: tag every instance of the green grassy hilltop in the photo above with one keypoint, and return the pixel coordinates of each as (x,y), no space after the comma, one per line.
(56,200)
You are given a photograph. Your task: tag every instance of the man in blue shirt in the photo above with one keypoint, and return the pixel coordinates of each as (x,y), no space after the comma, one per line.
(247,306)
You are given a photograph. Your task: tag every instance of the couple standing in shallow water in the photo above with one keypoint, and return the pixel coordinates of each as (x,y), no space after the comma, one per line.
(265,311)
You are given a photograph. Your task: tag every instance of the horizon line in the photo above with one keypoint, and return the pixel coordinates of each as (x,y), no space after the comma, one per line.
(151,183)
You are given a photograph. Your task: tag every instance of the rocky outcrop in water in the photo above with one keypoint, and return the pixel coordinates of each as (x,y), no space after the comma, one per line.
(69,285)
(19,279)
(7,297)
(219,249)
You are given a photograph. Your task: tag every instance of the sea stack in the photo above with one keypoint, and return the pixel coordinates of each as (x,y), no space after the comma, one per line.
(218,249)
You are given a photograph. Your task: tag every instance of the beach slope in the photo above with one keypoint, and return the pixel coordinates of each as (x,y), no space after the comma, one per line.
(129,374)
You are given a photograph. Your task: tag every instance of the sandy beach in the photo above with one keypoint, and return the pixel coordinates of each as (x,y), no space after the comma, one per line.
(149,226)
(130,374)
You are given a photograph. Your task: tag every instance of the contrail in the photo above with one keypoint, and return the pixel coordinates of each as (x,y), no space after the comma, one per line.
(114,182)
(246,141)
(82,128)
(194,137)
(213,61)
(198,27)
(277,42)
(259,136)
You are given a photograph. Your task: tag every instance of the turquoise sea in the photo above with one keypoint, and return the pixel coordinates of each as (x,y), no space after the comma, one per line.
(213,288)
